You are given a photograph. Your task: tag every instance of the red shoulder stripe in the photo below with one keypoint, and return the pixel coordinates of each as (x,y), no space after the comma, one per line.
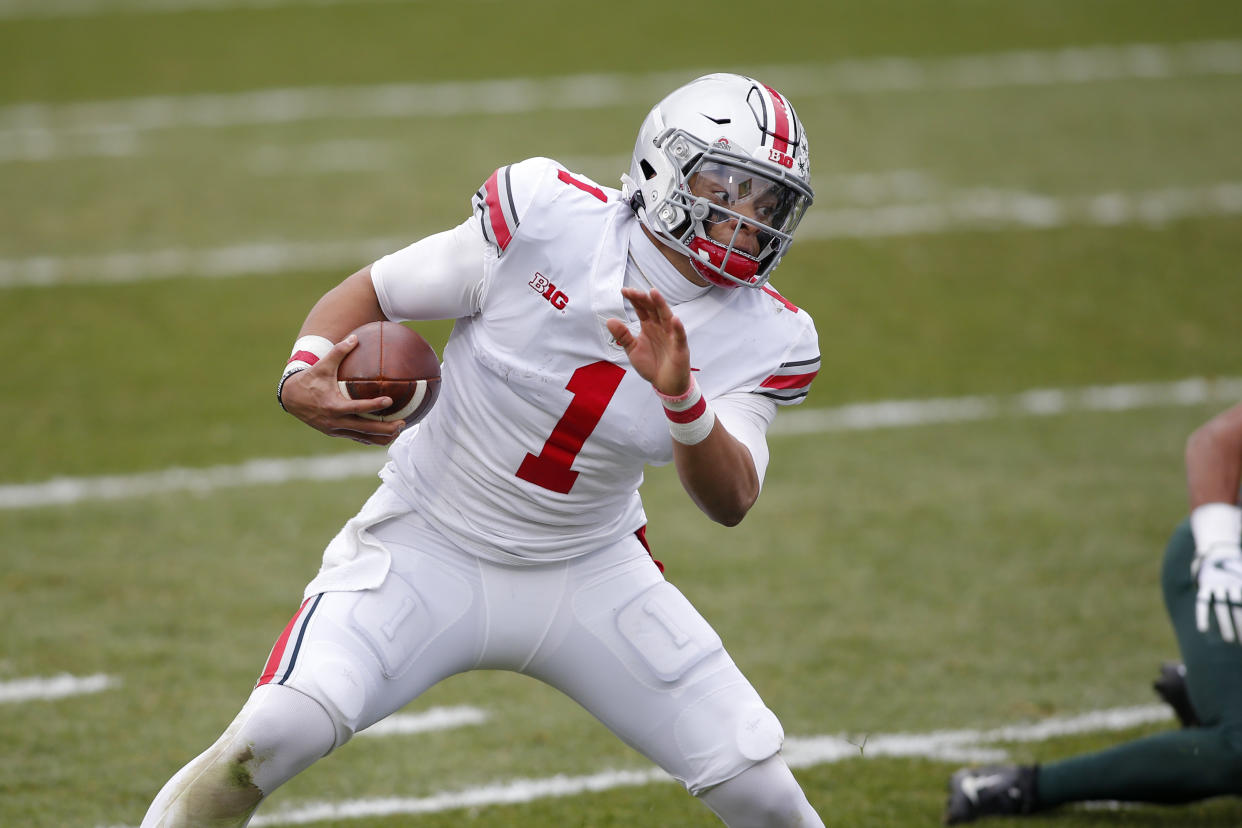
(783,381)
(496,213)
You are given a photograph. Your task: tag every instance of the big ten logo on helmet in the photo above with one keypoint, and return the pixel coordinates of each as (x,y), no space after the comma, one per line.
(548,291)
(781,158)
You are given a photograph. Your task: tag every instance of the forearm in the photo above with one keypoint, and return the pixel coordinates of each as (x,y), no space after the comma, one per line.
(1213,464)
(308,388)
(1214,459)
(343,308)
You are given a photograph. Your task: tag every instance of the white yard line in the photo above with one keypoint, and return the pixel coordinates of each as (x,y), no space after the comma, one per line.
(799,752)
(68,490)
(1044,402)
(1037,402)
(949,746)
(963,745)
(25,125)
(54,687)
(993,209)
(256,258)
(955,211)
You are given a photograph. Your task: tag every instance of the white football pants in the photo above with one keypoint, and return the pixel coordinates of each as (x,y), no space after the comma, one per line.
(605,628)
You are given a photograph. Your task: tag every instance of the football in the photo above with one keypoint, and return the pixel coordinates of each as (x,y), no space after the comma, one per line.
(391,360)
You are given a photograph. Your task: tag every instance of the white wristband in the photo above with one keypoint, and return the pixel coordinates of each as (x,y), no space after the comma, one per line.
(690,418)
(1216,524)
(306,352)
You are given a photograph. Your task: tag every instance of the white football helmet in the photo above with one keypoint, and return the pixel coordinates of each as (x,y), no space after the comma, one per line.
(721,173)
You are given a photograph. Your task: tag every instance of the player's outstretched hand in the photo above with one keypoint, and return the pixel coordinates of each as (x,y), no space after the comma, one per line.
(1219,573)
(659,353)
(314,398)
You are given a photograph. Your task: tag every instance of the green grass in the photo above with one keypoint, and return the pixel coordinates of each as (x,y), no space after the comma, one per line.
(119,55)
(892,549)
(959,576)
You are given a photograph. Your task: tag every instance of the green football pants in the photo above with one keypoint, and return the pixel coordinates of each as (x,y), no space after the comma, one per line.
(1175,766)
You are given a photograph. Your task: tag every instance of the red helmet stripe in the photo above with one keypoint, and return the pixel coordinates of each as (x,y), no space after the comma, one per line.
(780,129)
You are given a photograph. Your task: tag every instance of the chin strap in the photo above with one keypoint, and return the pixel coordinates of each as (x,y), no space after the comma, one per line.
(632,193)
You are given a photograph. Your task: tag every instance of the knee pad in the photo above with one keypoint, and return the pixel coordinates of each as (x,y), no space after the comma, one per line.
(724,733)
(284,731)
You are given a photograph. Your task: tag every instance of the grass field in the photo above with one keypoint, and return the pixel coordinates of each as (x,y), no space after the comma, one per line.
(1011,195)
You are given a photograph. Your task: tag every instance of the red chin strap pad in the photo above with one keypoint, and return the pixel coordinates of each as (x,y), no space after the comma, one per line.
(740,266)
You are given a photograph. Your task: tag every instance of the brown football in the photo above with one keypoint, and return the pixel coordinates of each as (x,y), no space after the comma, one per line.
(391,360)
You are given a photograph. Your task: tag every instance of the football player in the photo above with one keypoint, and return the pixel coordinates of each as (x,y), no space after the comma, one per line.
(1202,582)
(597,330)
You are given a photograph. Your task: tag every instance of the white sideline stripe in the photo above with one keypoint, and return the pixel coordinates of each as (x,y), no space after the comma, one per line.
(54,687)
(435,718)
(954,746)
(961,210)
(36,9)
(21,124)
(1040,402)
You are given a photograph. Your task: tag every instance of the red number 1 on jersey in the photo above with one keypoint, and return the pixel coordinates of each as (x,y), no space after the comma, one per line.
(592,386)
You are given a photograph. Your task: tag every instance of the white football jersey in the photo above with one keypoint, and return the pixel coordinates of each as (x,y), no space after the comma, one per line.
(536,447)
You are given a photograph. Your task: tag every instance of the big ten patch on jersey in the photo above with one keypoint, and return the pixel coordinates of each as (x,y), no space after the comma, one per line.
(582,412)
(550,232)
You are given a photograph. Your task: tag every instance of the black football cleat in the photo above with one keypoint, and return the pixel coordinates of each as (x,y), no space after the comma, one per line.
(996,790)
(1170,686)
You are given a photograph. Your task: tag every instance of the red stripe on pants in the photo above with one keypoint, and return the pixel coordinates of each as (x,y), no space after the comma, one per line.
(278,651)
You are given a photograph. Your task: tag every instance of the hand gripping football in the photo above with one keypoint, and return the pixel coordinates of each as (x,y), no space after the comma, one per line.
(391,360)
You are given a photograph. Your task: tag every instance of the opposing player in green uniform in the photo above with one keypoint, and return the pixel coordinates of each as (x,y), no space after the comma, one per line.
(1202,582)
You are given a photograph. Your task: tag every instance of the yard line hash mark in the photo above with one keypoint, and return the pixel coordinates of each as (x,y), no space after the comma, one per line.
(434,718)
(963,210)
(1039,402)
(54,687)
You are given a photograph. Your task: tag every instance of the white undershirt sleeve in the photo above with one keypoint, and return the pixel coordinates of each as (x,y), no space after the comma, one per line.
(747,417)
(437,277)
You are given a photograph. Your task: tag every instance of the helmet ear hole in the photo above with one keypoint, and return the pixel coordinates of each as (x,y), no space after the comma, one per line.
(648,170)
